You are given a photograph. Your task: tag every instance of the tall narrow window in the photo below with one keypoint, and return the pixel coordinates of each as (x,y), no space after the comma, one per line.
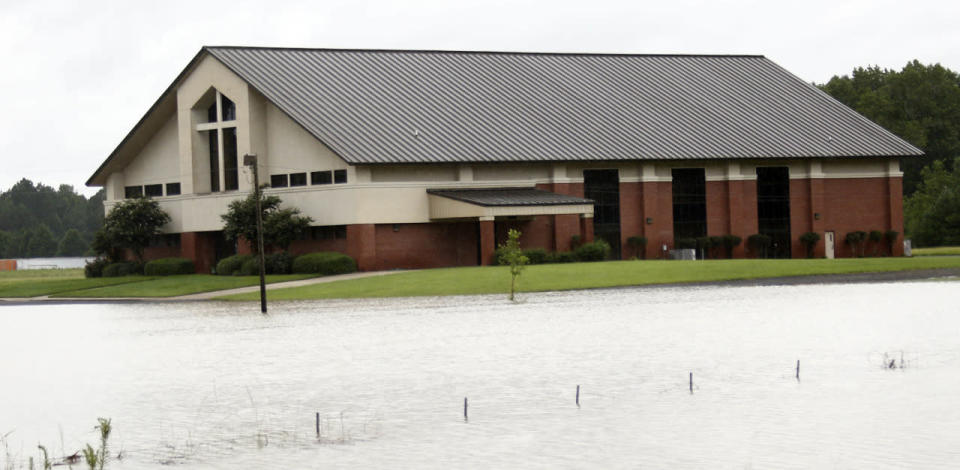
(228,109)
(603,186)
(214,161)
(773,208)
(230,179)
(689,203)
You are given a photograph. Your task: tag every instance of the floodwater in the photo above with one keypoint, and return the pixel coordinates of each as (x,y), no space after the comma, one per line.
(217,385)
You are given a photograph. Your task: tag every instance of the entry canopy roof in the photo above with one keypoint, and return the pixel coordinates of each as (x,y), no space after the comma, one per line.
(488,203)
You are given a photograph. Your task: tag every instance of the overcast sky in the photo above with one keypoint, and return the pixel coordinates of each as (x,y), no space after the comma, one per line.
(77,75)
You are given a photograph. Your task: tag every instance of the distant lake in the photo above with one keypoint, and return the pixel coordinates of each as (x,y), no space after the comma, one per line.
(217,385)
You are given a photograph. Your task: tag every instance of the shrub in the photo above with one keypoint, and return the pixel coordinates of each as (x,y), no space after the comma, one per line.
(169,267)
(231,265)
(95,268)
(891,237)
(325,263)
(686,243)
(595,251)
(855,240)
(279,263)
(716,244)
(576,241)
(760,244)
(125,268)
(639,245)
(535,255)
(730,242)
(703,246)
(250,267)
(561,257)
(875,237)
(809,241)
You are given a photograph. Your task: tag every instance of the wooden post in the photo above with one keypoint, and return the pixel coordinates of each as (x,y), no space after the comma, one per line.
(691,382)
(318,425)
(251,160)
(798,369)
(464,408)
(578,396)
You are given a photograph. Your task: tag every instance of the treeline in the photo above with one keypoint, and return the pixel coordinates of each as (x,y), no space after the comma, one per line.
(920,104)
(39,221)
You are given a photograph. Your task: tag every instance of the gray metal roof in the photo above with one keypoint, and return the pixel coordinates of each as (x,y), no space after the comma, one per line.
(490,197)
(373,106)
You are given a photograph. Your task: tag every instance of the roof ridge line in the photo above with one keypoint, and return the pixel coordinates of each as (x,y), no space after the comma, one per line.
(481,52)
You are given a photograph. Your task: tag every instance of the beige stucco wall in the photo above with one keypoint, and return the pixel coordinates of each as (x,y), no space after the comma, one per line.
(291,149)
(159,161)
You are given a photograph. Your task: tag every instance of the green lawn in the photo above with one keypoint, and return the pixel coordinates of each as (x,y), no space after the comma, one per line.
(31,284)
(172,286)
(496,279)
(937,251)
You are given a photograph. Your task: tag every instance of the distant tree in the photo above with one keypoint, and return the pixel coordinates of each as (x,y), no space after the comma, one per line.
(71,244)
(41,244)
(5,245)
(131,224)
(920,103)
(280,226)
(511,255)
(932,213)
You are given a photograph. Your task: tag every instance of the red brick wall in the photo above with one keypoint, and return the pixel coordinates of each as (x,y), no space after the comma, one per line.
(718,208)
(631,217)
(300,247)
(657,205)
(852,204)
(157,252)
(201,248)
(418,246)
(801,217)
(362,246)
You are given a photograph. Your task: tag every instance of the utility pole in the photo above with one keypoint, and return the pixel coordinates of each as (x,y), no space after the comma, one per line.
(251,161)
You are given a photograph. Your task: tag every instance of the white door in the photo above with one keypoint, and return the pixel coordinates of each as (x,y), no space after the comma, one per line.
(828,242)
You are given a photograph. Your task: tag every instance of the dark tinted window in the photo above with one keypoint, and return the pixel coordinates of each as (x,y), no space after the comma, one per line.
(278,181)
(173,189)
(230,158)
(298,179)
(214,161)
(212,113)
(321,177)
(689,203)
(340,176)
(153,190)
(132,191)
(229,110)
(329,232)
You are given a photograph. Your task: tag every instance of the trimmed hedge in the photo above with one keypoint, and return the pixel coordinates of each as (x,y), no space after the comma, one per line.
(279,263)
(230,266)
(169,267)
(595,251)
(325,263)
(95,268)
(125,268)
(250,267)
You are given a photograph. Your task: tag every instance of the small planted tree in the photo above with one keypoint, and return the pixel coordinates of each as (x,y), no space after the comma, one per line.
(809,241)
(511,255)
(856,241)
(890,236)
(875,238)
(280,226)
(760,244)
(639,245)
(729,243)
(131,224)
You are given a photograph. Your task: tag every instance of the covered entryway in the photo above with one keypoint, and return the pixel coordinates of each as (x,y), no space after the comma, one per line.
(524,208)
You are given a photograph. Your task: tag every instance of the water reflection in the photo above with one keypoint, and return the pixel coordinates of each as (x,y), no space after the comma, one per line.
(216,385)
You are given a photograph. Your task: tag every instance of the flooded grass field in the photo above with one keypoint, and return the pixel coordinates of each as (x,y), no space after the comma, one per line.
(217,385)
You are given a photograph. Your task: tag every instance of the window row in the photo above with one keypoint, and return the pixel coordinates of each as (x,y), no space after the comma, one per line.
(316,177)
(151,190)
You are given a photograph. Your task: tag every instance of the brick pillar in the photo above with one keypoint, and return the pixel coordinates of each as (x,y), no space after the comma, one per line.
(737,223)
(243,246)
(631,216)
(817,216)
(895,190)
(718,218)
(199,248)
(362,245)
(658,208)
(586,228)
(488,242)
(565,226)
